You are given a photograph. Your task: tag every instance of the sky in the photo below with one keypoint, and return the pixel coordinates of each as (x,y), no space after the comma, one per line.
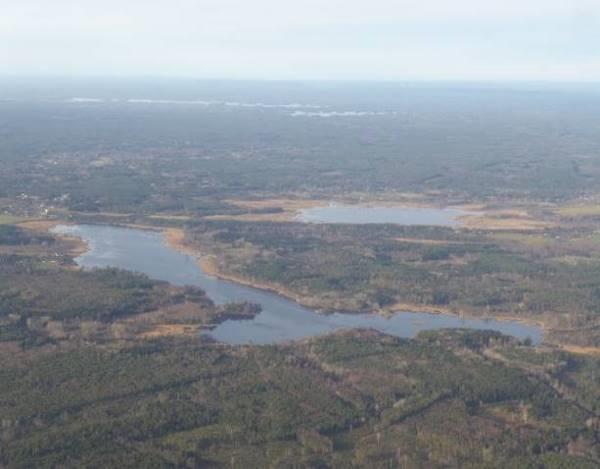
(548,40)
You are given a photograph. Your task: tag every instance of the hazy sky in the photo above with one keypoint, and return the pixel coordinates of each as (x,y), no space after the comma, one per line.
(304,39)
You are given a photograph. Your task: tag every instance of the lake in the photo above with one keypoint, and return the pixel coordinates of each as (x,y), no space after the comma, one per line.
(359,214)
(281,319)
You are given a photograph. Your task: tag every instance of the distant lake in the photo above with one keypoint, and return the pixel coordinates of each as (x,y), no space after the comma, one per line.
(281,319)
(359,214)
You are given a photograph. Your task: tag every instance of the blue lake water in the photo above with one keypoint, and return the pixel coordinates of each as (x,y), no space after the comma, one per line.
(357,214)
(281,319)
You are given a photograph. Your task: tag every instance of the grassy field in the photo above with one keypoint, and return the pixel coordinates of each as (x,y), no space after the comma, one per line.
(10,219)
(576,211)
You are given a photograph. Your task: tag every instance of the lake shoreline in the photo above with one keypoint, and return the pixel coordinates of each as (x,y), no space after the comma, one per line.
(175,238)
(76,246)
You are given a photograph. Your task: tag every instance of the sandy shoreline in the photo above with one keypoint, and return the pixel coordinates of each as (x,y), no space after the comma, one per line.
(75,246)
(175,238)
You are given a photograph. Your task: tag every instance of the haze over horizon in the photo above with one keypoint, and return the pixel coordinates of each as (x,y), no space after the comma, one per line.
(546,40)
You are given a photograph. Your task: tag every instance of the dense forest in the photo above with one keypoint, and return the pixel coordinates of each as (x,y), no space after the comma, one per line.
(346,400)
(463,144)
